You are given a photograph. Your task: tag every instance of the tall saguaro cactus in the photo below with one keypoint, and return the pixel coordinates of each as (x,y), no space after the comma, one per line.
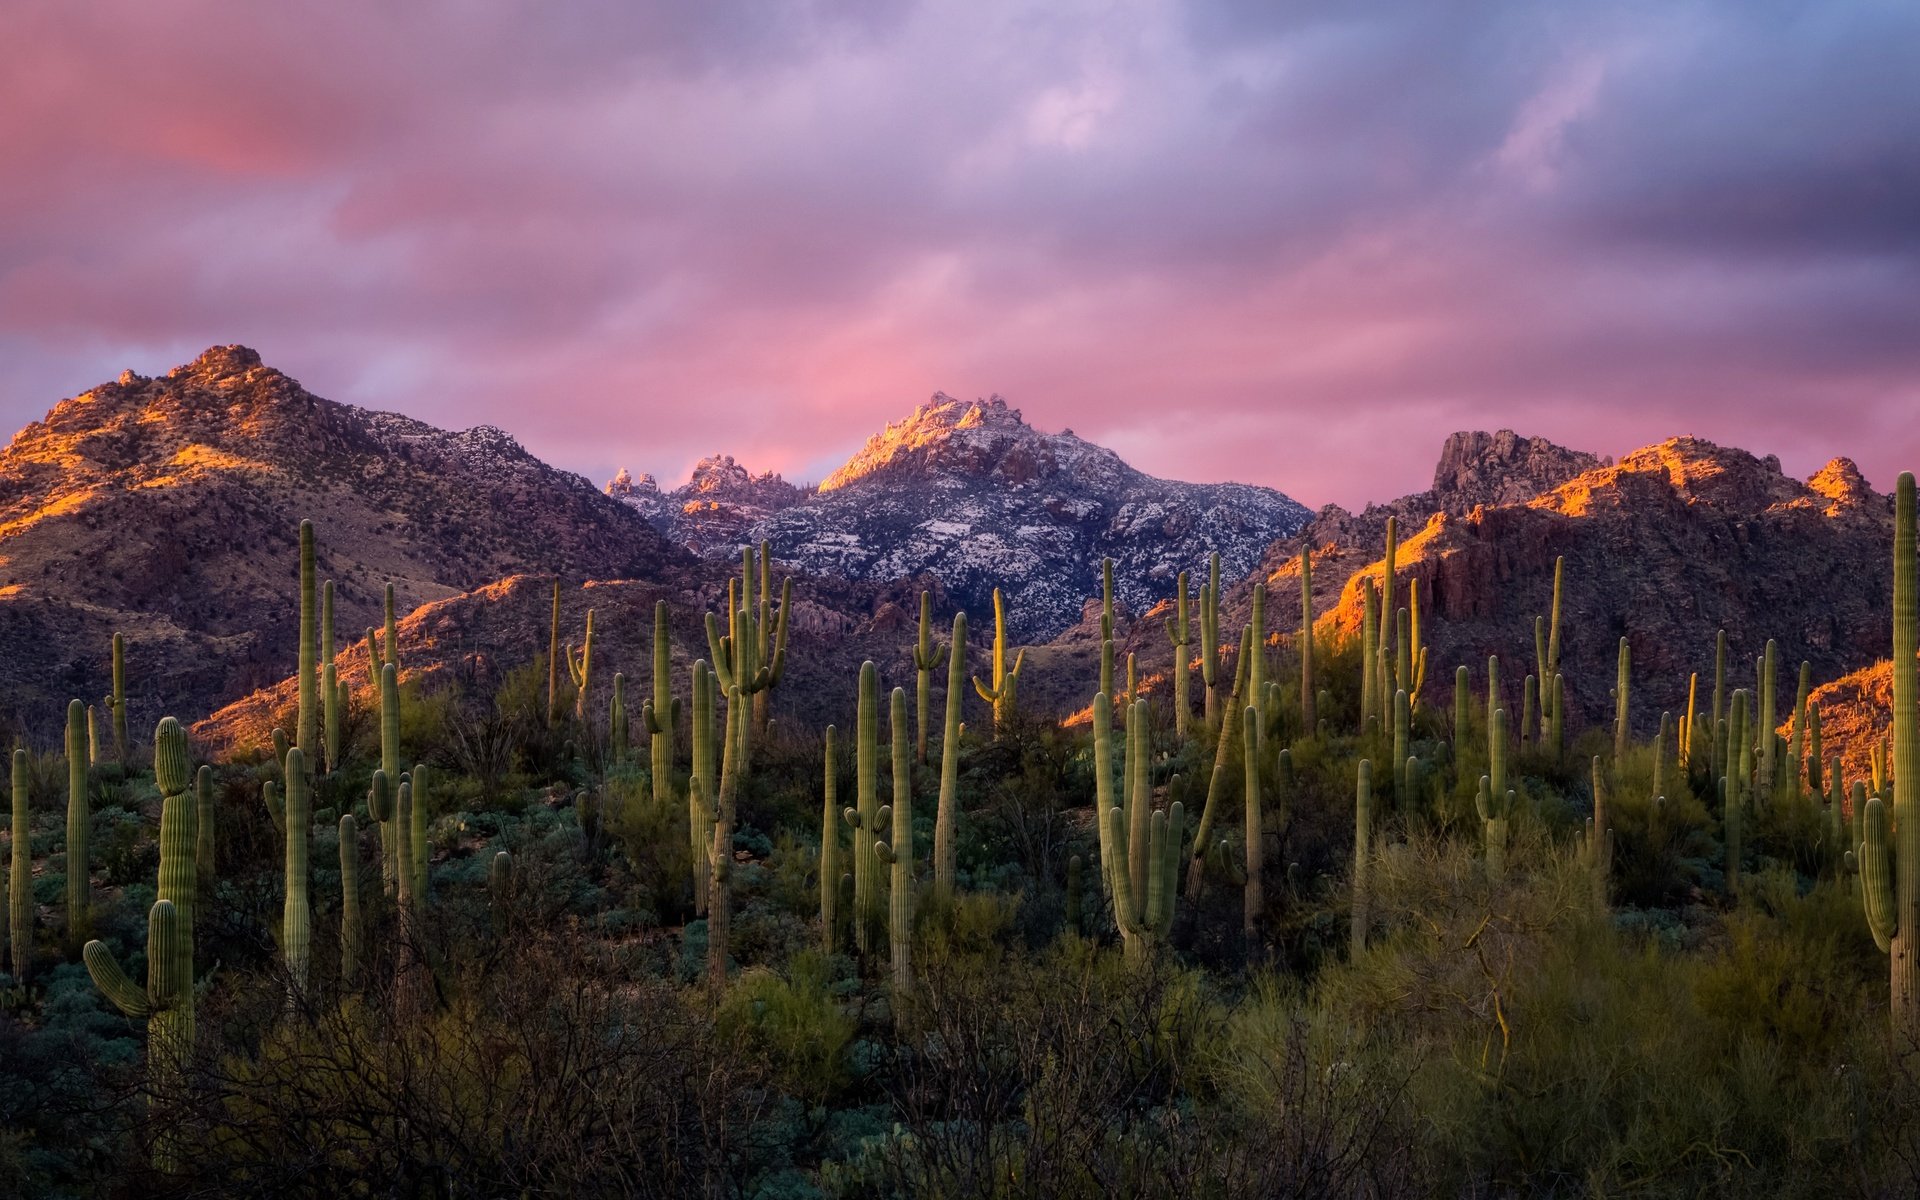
(865,817)
(118,701)
(390,765)
(719,854)
(944,847)
(1546,642)
(830,844)
(1369,655)
(167,1000)
(1890,859)
(296,918)
(307,725)
(1494,802)
(1219,781)
(1620,692)
(1362,857)
(661,715)
(553,661)
(333,700)
(1253,896)
(1006,683)
(705,773)
(1309,720)
(1210,639)
(748,656)
(79,832)
(897,854)
(349,899)
(927,658)
(1179,635)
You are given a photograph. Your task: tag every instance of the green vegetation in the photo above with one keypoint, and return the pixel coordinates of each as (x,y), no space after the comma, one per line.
(1419,949)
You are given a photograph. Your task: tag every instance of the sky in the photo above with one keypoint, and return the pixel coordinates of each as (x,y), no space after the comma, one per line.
(1293,244)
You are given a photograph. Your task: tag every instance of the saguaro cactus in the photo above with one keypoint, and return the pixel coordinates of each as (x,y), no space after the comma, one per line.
(705,770)
(1254,900)
(771,632)
(553,661)
(1733,783)
(944,847)
(927,658)
(307,726)
(1600,832)
(1145,917)
(747,656)
(1462,710)
(1620,690)
(1210,639)
(829,845)
(1769,722)
(1369,653)
(1309,717)
(1402,721)
(898,855)
(296,918)
(580,667)
(865,818)
(719,855)
(1494,802)
(1387,685)
(390,764)
(1219,781)
(167,1000)
(1546,641)
(1362,857)
(1179,633)
(349,899)
(118,701)
(617,720)
(418,820)
(79,831)
(661,715)
(1002,695)
(1890,859)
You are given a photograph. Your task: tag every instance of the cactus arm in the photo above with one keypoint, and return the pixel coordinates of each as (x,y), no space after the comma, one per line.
(1875,860)
(127,996)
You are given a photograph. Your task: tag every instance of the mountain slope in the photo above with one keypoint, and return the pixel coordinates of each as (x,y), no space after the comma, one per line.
(1676,541)
(169,508)
(972,495)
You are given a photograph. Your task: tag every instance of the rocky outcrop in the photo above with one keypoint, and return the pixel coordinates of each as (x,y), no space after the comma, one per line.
(168,509)
(716,510)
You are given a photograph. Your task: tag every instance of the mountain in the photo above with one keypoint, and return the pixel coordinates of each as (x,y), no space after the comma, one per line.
(169,509)
(715,511)
(1673,543)
(971,495)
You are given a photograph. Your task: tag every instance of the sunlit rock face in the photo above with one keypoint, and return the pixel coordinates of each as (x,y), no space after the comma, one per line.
(168,509)
(969,493)
(1669,545)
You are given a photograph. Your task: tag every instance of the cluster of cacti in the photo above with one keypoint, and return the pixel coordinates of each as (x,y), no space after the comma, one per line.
(1889,859)
(927,658)
(1006,683)
(1217,780)
(752,654)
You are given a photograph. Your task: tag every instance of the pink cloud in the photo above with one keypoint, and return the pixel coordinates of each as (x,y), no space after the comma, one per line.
(1283,245)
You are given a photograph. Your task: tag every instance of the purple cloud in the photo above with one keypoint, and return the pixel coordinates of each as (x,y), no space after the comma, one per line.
(1292,244)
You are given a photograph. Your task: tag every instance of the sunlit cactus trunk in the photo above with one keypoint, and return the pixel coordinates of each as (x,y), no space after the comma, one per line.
(945,847)
(1889,859)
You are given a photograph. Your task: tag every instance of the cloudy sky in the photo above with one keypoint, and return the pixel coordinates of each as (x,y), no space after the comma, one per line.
(1289,243)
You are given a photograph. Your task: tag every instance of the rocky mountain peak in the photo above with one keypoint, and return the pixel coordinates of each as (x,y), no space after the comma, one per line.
(969,440)
(1841,483)
(1502,467)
